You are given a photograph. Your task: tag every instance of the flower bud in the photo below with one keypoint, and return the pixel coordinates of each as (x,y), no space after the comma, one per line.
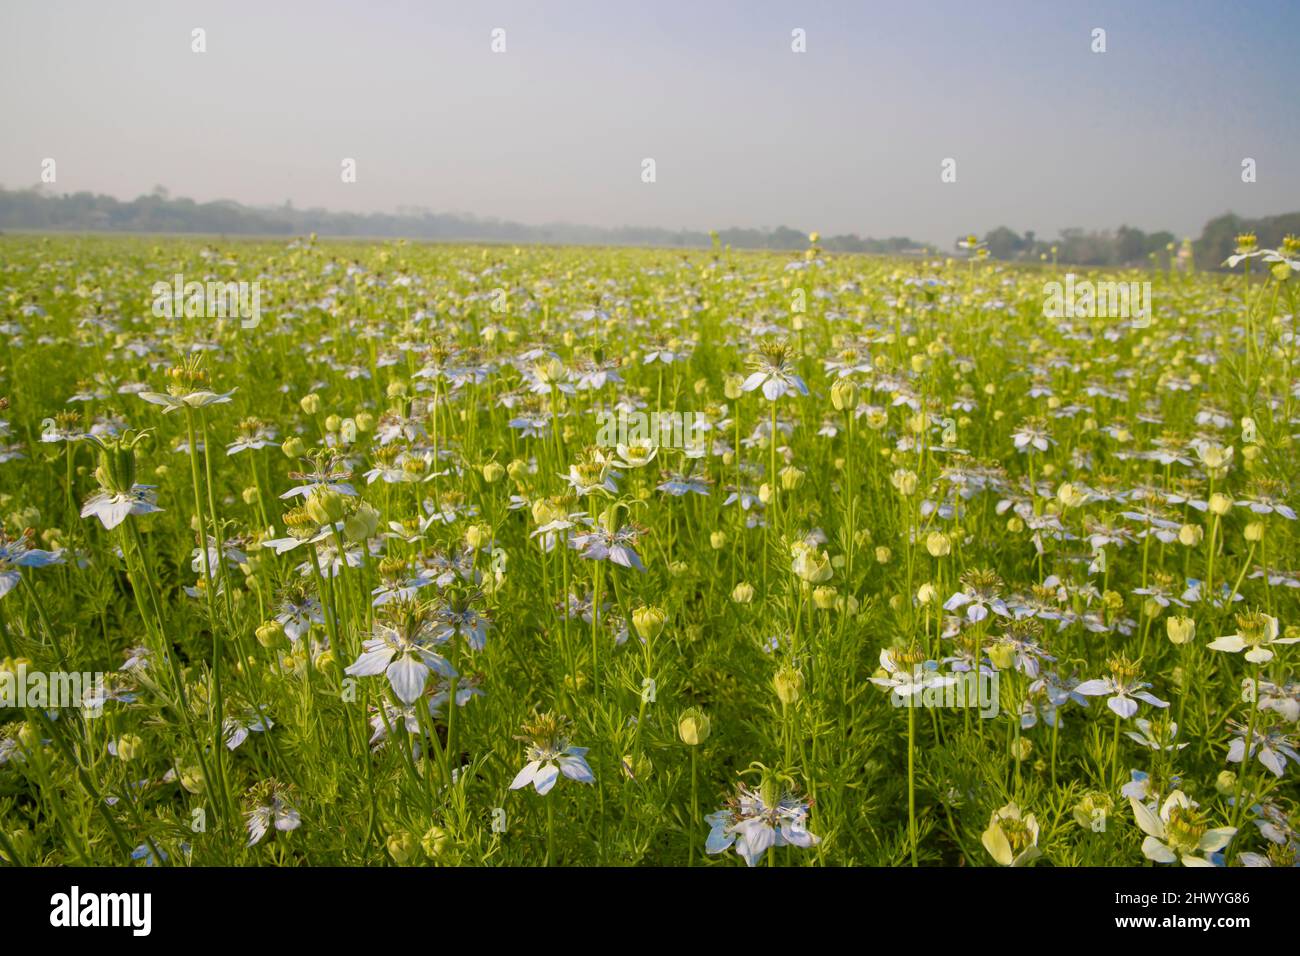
(293,447)
(788,683)
(693,726)
(492,472)
(325,506)
(333,423)
(743,593)
(904,482)
(1002,654)
(434,841)
(1180,629)
(791,477)
(844,394)
(1092,811)
(636,767)
(938,544)
(544,512)
(883,554)
(362,524)
(1220,504)
(270,633)
(926,594)
(731,387)
(1190,535)
(648,621)
(1255,532)
(1226,783)
(310,403)
(718,540)
(401,846)
(824,597)
(192,779)
(128,747)
(365,421)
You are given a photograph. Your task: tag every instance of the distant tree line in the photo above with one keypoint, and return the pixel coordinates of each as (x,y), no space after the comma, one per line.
(158,212)
(1127,246)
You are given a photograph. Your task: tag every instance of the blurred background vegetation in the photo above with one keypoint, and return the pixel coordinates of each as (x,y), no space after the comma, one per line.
(39,209)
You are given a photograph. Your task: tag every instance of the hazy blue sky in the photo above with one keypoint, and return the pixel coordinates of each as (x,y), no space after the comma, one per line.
(847,137)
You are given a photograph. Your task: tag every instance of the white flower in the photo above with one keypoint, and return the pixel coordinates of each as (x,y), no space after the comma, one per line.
(15,554)
(200,399)
(1123,685)
(1256,631)
(276,812)
(402,650)
(1178,833)
(909,681)
(1012,840)
(550,754)
(113,507)
(774,372)
(1272,748)
(753,824)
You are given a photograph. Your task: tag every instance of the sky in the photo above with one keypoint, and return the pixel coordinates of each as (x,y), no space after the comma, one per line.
(848,136)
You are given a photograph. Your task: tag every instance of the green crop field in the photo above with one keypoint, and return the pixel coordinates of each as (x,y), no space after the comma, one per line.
(383,553)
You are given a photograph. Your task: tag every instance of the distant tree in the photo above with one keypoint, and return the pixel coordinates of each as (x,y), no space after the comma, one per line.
(1004,244)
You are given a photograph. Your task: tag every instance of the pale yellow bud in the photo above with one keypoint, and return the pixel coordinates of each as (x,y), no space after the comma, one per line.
(648,621)
(1181,629)
(824,597)
(844,394)
(938,544)
(694,727)
(129,747)
(788,684)
(435,841)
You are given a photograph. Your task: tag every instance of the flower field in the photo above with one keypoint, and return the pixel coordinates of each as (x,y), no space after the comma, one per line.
(459,555)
